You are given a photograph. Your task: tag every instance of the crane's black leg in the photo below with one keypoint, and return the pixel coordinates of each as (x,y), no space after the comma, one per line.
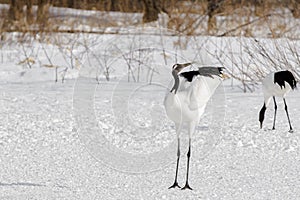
(188,166)
(275,107)
(175,184)
(287,113)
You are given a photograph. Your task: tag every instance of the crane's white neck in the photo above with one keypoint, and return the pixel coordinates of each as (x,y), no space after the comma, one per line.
(176,81)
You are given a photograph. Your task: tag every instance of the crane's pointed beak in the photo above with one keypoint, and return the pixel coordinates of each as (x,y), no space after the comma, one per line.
(225,76)
(180,67)
(185,64)
(260,125)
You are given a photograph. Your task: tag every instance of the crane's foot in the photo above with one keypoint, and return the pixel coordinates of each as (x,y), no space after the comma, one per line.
(291,131)
(186,187)
(175,184)
(273,128)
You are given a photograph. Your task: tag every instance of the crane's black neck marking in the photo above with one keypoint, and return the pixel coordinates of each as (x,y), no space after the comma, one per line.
(189,75)
(285,76)
(176,81)
(262,115)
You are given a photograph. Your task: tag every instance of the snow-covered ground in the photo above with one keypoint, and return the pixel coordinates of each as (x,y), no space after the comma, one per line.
(89,138)
(43,155)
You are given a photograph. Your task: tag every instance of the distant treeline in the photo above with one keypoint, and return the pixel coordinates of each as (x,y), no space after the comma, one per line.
(21,14)
(139,5)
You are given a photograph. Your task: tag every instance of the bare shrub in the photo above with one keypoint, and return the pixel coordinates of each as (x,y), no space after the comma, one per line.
(257,57)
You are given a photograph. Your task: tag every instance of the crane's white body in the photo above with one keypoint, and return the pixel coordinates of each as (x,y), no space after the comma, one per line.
(188,104)
(271,89)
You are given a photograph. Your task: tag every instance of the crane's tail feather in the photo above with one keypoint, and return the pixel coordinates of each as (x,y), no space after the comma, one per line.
(205,71)
(211,71)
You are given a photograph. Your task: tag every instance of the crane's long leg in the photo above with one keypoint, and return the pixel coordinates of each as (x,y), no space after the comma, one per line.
(178,129)
(275,107)
(187,186)
(287,114)
(192,127)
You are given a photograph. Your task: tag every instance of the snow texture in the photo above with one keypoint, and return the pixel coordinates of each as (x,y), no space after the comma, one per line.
(43,155)
(88,139)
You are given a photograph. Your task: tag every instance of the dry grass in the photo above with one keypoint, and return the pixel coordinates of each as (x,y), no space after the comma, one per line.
(232,18)
(269,19)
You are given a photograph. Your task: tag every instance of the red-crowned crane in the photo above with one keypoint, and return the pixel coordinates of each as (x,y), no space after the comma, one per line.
(277,84)
(186,101)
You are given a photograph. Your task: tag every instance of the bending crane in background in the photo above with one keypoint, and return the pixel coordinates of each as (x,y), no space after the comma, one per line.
(277,84)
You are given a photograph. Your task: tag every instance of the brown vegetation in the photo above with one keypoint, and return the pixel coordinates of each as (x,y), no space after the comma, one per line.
(181,13)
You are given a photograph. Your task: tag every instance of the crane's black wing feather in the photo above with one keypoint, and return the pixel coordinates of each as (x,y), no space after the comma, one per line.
(189,75)
(285,76)
(203,71)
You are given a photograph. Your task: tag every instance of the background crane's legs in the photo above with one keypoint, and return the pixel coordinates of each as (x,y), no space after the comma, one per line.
(275,106)
(287,114)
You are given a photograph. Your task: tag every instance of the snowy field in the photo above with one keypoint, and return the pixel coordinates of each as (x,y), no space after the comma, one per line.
(90,138)
(44,157)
